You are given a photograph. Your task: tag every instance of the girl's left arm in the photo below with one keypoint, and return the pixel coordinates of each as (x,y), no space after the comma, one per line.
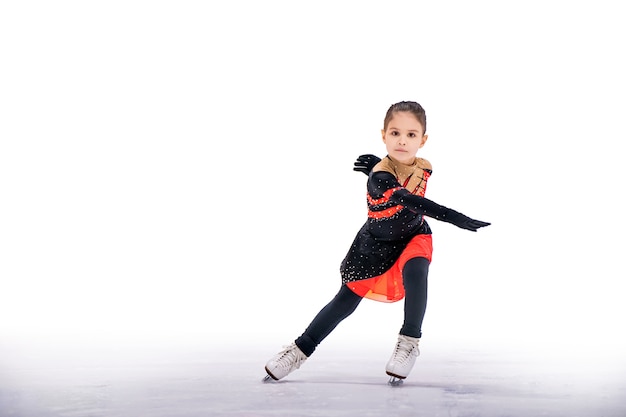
(426,207)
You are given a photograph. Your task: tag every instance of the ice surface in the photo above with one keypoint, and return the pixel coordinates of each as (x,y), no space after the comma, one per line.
(333,382)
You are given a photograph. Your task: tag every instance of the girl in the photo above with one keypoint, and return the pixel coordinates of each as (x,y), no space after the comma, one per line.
(390,255)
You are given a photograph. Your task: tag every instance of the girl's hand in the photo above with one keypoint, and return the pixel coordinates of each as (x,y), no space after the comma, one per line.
(365,163)
(462,221)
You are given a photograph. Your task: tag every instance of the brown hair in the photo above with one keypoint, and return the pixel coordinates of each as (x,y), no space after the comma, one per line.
(408,106)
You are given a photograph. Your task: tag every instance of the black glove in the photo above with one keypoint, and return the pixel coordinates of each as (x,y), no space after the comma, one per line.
(462,221)
(365,163)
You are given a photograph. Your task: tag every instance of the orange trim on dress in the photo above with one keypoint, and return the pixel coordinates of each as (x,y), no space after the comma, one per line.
(384,213)
(384,199)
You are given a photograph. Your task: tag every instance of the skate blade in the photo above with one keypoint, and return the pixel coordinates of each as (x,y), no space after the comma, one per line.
(268,376)
(395,382)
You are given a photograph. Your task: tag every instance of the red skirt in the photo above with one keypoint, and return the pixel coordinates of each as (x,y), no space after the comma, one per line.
(388,287)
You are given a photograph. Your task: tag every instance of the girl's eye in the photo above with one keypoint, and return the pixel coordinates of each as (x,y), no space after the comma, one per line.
(394,133)
(412,135)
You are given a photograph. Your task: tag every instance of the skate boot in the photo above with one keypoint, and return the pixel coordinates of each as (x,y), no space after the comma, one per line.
(402,359)
(285,362)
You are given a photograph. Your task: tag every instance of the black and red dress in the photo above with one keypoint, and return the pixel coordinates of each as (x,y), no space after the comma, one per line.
(395,230)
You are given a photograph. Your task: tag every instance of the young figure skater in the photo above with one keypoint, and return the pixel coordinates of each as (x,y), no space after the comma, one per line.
(390,255)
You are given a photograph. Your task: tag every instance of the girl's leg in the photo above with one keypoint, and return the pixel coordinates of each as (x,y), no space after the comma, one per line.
(415,280)
(340,307)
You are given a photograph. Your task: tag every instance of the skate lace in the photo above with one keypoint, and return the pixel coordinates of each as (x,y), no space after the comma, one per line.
(290,357)
(404,350)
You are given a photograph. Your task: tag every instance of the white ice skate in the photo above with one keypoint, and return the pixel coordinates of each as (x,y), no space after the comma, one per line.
(402,359)
(285,362)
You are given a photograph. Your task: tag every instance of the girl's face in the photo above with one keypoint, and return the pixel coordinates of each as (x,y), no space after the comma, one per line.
(403,137)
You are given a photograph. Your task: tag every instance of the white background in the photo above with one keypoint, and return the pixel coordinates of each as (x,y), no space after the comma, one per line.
(182,171)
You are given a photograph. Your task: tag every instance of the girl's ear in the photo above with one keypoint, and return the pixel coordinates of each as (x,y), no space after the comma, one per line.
(424,139)
(382,132)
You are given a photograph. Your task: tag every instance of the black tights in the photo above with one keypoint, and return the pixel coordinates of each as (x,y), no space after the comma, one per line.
(415,280)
